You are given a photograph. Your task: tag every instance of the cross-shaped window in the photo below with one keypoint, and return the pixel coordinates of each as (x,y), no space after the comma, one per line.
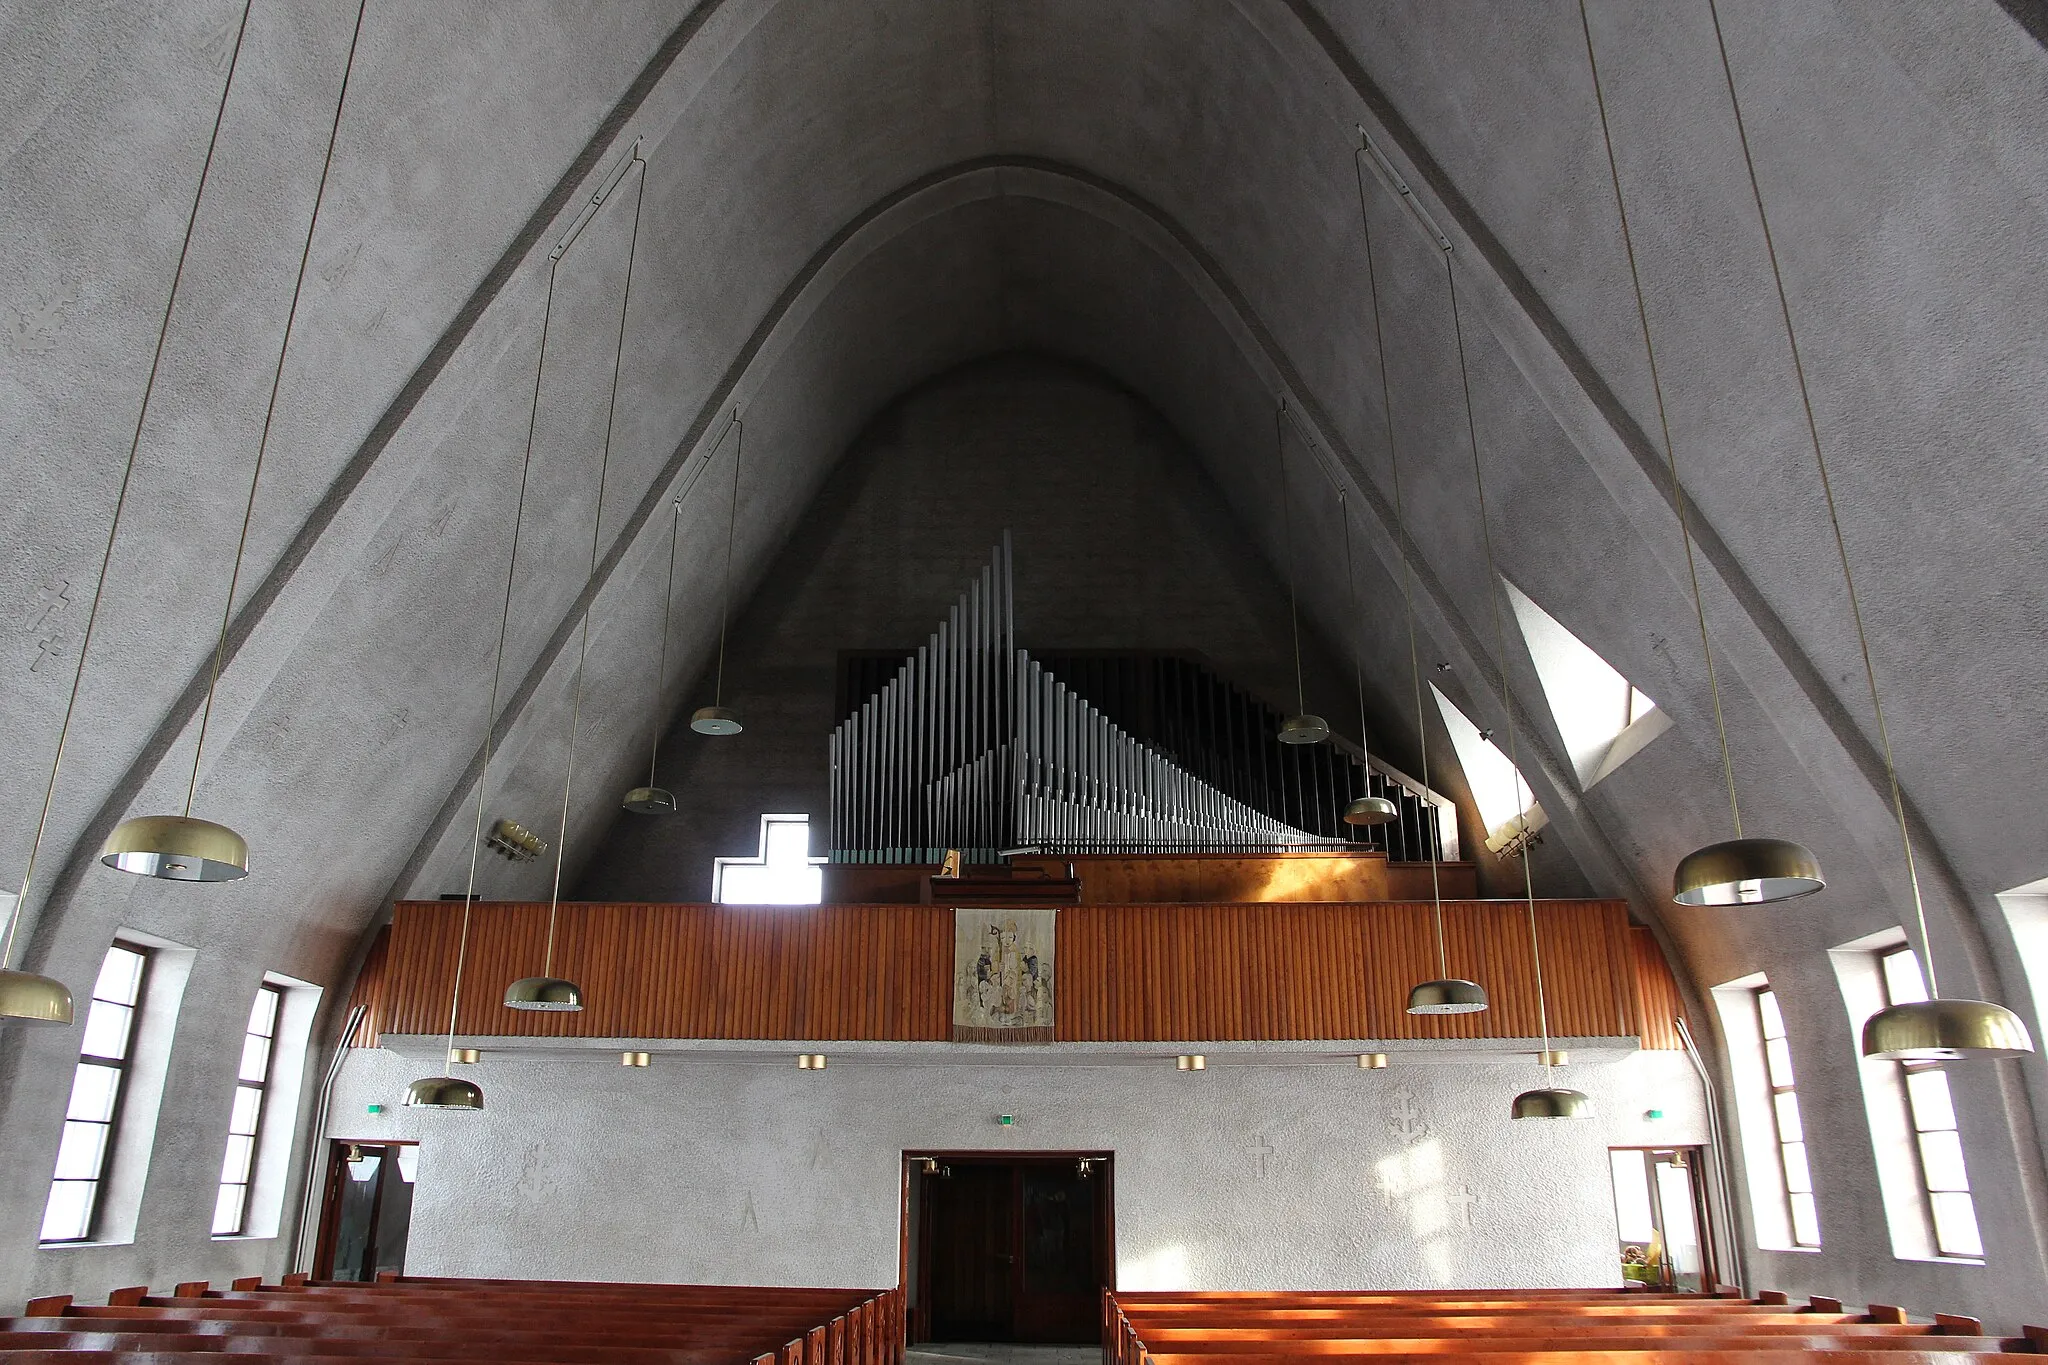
(782,873)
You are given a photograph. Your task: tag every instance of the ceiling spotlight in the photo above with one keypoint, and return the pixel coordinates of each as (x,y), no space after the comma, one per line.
(1372,1061)
(634,1059)
(1447,995)
(810,1061)
(465,1056)
(1746,872)
(1193,1061)
(177,848)
(443,1092)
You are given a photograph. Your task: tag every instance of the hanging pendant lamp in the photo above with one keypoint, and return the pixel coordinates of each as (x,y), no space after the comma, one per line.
(1446,994)
(1738,871)
(547,992)
(1365,810)
(1301,727)
(717,718)
(1933,1029)
(27,997)
(182,847)
(652,799)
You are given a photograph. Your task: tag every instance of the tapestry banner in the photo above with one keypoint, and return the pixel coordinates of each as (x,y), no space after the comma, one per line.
(1003,976)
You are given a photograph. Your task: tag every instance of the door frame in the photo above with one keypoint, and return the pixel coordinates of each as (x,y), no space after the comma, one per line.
(914,1279)
(1696,1172)
(330,1198)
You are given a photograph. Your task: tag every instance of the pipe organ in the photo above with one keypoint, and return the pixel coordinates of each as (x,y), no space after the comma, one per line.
(973,744)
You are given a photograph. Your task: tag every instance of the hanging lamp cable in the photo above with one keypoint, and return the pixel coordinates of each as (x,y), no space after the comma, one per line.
(1436,892)
(732,527)
(1884,741)
(675,531)
(270,408)
(1493,591)
(596,542)
(92,614)
(1358,615)
(1678,496)
(1287,534)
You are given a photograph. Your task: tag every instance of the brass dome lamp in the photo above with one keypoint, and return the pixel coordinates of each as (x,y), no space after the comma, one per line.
(718,718)
(548,993)
(182,847)
(1367,810)
(653,799)
(1933,1029)
(444,1092)
(1303,727)
(1446,994)
(1738,871)
(27,997)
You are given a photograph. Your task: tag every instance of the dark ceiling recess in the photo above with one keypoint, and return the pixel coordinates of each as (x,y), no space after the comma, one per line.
(1215,730)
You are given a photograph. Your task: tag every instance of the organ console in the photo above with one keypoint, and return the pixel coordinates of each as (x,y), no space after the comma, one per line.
(973,745)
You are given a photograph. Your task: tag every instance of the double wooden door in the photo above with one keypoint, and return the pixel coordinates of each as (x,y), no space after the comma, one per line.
(1013,1248)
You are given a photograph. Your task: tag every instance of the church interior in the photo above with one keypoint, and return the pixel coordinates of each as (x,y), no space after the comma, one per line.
(836,682)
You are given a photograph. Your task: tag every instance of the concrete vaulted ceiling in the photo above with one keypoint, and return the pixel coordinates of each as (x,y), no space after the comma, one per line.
(843,199)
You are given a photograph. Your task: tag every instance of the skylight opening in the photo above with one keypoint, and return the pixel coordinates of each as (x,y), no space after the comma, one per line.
(781,873)
(1506,804)
(1603,718)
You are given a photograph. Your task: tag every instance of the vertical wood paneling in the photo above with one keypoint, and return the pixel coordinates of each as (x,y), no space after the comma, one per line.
(1132,973)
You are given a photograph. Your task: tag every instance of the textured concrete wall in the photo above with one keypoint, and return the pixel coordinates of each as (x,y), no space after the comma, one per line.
(1239,1177)
(1121,540)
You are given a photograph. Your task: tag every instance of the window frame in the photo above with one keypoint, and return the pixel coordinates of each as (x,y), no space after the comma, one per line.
(262,1089)
(116,1112)
(1905,1071)
(1772,1090)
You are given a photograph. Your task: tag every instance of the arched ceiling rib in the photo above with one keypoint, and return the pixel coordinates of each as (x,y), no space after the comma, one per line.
(797,150)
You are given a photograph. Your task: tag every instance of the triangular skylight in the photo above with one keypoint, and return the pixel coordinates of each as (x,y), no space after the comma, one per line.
(1602,716)
(1501,794)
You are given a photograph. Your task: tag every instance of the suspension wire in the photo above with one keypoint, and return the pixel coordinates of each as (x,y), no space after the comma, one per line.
(270,408)
(596,541)
(1678,496)
(732,525)
(675,531)
(1357,655)
(1287,533)
(92,614)
(1500,649)
(1436,891)
(1827,487)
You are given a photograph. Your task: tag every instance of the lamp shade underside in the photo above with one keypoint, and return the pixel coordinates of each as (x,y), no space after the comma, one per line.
(1945,1031)
(650,801)
(715,720)
(443,1092)
(544,993)
(26,998)
(1746,872)
(177,848)
(1304,729)
(1552,1102)
(1371,810)
(1451,995)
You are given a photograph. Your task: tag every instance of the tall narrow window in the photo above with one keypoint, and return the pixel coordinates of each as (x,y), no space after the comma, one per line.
(92,1120)
(245,1120)
(1937,1144)
(1791,1132)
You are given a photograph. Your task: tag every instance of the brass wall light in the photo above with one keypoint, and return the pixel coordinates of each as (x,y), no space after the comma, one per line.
(1446,994)
(548,993)
(1372,1061)
(810,1061)
(1191,1061)
(465,1056)
(637,1059)
(1933,1029)
(717,718)
(183,847)
(1301,727)
(1742,870)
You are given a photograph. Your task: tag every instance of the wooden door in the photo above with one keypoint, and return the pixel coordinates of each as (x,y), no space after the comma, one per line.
(1060,1281)
(367,1214)
(972,1251)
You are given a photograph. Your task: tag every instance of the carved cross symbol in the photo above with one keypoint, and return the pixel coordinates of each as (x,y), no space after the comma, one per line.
(1262,1151)
(48,649)
(1462,1199)
(55,597)
(1404,1117)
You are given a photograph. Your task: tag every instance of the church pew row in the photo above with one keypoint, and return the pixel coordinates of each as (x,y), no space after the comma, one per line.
(1544,1327)
(299,1322)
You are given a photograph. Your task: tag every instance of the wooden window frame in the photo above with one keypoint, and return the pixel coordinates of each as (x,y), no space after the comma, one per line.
(117,1112)
(1772,1090)
(262,1089)
(1913,1124)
